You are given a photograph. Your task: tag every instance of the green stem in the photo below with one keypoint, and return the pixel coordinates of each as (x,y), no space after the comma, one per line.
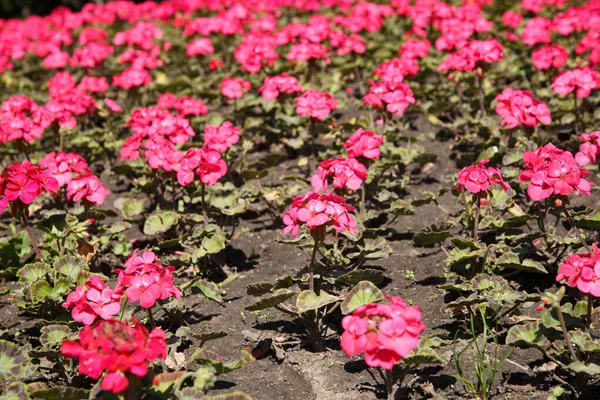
(150,318)
(590,310)
(311,268)
(38,252)
(389,384)
(204,209)
(123,309)
(576,229)
(476,218)
(563,327)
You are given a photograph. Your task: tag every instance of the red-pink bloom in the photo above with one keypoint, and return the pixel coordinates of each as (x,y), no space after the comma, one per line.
(589,149)
(205,163)
(21,183)
(93,84)
(256,50)
(582,80)
(221,137)
(474,54)
(96,300)
(117,348)
(132,77)
(184,106)
(396,96)
(414,49)
(199,47)
(21,118)
(316,104)
(512,19)
(537,30)
(347,173)
(275,85)
(306,51)
(573,267)
(56,60)
(317,211)
(142,35)
(87,187)
(113,105)
(234,88)
(394,70)
(519,107)
(64,166)
(553,172)
(478,179)
(549,56)
(385,333)
(146,280)
(363,144)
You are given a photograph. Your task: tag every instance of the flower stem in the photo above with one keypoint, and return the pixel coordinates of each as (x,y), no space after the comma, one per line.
(479,80)
(576,114)
(311,268)
(204,210)
(389,383)
(576,229)
(563,327)
(38,252)
(476,218)
(362,201)
(150,317)
(590,310)
(123,309)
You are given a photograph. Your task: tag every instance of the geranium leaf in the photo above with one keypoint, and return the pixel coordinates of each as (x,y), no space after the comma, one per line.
(308,300)
(362,294)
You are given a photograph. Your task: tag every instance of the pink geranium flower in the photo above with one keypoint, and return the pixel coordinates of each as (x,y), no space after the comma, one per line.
(519,107)
(363,144)
(477,179)
(316,104)
(234,88)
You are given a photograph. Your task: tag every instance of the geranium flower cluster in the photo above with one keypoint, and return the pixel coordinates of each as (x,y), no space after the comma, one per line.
(317,105)
(385,333)
(221,137)
(21,118)
(589,150)
(394,70)
(93,300)
(205,163)
(478,178)
(67,100)
(363,144)
(347,173)
(317,211)
(582,80)
(185,106)
(146,280)
(64,166)
(118,349)
(473,57)
(582,271)
(276,85)
(234,88)
(395,96)
(519,107)
(21,184)
(549,56)
(553,172)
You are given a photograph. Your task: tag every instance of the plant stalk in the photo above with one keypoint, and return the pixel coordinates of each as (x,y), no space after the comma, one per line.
(576,229)
(389,384)
(204,210)
(25,222)
(476,219)
(563,327)
(150,318)
(311,268)
(590,310)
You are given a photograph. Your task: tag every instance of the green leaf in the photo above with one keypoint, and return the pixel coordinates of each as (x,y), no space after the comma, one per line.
(70,267)
(160,222)
(259,288)
(353,277)
(210,290)
(166,381)
(130,208)
(423,356)
(511,260)
(211,359)
(53,335)
(524,335)
(588,369)
(32,273)
(277,298)
(362,294)
(308,300)
(61,393)
(213,244)
(433,234)
(40,291)
(12,361)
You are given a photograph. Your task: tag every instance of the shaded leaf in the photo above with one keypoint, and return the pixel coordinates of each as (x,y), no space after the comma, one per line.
(362,294)
(308,300)
(279,297)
